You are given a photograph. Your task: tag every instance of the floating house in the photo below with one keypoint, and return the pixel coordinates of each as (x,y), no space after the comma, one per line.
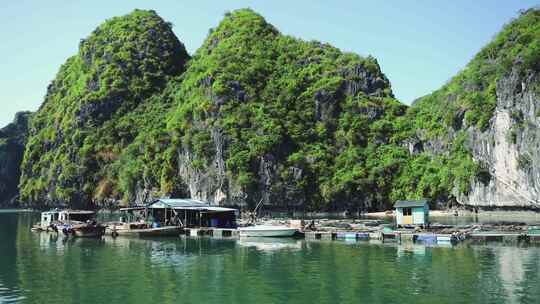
(414,213)
(188,213)
(57,215)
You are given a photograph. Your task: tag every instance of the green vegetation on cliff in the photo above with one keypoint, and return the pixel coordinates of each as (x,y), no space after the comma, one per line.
(293,105)
(253,115)
(12,140)
(467,101)
(100,101)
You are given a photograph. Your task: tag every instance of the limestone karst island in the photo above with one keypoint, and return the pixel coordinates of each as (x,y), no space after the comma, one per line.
(227,153)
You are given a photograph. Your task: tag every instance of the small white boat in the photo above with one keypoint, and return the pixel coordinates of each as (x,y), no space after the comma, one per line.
(267,231)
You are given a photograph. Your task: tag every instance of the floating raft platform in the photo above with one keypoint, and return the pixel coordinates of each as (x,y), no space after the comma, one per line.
(213,232)
(384,236)
(349,235)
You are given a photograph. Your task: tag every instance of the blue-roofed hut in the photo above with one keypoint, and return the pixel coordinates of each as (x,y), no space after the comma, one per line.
(412,213)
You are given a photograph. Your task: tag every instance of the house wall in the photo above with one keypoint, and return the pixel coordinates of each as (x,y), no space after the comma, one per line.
(418,214)
(399,216)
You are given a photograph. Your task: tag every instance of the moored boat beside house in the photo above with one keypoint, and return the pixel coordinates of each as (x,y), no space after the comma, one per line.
(168,217)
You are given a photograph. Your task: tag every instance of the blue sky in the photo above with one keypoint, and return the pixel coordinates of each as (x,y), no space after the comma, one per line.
(419,44)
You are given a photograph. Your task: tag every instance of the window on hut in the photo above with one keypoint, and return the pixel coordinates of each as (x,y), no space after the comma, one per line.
(407,211)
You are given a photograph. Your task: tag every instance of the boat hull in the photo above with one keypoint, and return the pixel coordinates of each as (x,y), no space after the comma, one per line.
(84,231)
(40,228)
(267,231)
(72,231)
(90,232)
(147,232)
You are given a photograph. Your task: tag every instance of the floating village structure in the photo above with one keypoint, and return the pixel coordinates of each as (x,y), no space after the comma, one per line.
(412,213)
(190,217)
(188,213)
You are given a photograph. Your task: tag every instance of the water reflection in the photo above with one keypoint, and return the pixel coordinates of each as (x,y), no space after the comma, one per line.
(411,249)
(270,244)
(516,268)
(50,242)
(46,268)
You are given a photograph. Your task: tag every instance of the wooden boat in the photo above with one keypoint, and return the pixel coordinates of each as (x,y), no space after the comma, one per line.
(267,231)
(139,229)
(76,223)
(82,229)
(136,222)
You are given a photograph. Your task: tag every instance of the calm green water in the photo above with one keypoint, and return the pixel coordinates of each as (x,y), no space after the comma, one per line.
(40,268)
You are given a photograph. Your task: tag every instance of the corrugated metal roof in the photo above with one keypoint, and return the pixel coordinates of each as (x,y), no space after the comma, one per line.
(133,208)
(191,204)
(70,211)
(181,202)
(408,204)
(219,209)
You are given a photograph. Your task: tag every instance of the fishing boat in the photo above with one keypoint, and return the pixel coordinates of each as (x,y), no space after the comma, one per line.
(76,223)
(135,222)
(141,229)
(267,231)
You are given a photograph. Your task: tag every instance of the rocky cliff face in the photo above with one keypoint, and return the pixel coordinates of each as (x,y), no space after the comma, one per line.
(263,116)
(256,115)
(474,141)
(509,148)
(494,105)
(12,141)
